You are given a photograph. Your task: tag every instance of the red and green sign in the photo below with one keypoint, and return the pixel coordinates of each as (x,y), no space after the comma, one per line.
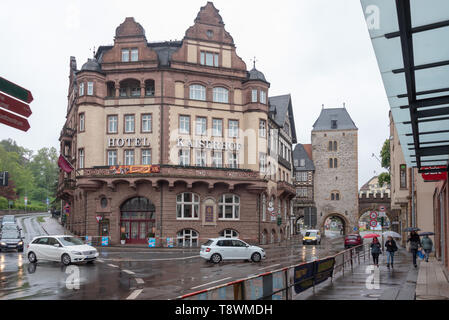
(16,91)
(435,176)
(14,105)
(14,121)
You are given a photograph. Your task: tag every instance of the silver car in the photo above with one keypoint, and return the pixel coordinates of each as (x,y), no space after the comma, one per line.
(219,249)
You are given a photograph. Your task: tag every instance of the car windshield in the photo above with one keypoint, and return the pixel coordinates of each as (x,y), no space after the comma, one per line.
(9,226)
(352,237)
(310,234)
(8,219)
(70,241)
(9,234)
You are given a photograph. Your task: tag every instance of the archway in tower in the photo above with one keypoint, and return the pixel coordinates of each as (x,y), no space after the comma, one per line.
(334,226)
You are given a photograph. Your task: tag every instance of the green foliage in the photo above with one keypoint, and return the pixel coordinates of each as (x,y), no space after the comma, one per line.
(35,176)
(383,178)
(385,155)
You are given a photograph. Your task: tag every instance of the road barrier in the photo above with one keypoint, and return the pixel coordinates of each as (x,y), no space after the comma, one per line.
(285,283)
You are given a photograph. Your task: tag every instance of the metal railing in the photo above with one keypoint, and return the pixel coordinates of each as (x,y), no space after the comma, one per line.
(285,283)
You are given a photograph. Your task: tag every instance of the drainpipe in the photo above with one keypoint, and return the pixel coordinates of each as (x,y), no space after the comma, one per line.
(85,212)
(161,156)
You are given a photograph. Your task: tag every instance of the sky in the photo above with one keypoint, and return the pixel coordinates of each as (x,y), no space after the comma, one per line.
(319,51)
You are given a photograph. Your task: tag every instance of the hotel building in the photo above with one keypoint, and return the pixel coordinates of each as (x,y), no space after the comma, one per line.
(176,140)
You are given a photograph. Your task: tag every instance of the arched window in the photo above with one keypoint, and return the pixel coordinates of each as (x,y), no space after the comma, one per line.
(332,196)
(335,146)
(331,163)
(129,88)
(229,233)
(221,95)
(229,207)
(329,148)
(197,92)
(187,238)
(187,206)
(335,163)
(263,239)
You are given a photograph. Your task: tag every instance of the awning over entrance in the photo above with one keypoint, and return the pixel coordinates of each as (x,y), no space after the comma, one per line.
(410,39)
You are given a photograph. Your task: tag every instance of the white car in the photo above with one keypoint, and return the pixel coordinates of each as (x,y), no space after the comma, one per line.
(219,249)
(66,249)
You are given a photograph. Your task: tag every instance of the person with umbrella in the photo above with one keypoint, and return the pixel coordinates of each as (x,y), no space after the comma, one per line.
(415,244)
(391,247)
(427,245)
(376,250)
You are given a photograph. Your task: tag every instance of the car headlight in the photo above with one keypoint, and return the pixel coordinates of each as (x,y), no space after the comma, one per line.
(20,243)
(77,253)
(3,243)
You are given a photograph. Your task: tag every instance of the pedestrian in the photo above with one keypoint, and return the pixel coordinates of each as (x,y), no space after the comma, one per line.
(376,250)
(415,244)
(391,247)
(427,245)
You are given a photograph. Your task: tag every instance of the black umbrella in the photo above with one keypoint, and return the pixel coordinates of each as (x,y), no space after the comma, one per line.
(427,234)
(410,229)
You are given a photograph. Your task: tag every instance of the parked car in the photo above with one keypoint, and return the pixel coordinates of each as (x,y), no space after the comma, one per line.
(352,240)
(11,239)
(312,237)
(9,219)
(219,249)
(66,249)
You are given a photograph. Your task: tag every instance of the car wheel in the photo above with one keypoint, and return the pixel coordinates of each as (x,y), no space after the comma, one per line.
(65,259)
(90,262)
(256,257)
(216,258)
(32,257)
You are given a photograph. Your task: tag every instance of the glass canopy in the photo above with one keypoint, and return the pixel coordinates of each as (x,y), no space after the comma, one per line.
(410,40)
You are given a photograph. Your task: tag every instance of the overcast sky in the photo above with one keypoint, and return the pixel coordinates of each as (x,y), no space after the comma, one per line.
(317,50)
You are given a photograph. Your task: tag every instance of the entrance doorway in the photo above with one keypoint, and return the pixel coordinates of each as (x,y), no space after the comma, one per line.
(137,219)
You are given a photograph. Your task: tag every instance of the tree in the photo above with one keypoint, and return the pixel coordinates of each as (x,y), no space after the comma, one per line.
(45,171)
(385,177)
(17,166)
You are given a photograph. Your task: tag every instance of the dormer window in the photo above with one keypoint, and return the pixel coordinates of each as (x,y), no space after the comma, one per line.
(209,59)
(134,54)
(128,54)
(125,55)
(334,124)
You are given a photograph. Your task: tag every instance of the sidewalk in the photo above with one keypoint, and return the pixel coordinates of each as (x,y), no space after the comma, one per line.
(393,284)
(432,283)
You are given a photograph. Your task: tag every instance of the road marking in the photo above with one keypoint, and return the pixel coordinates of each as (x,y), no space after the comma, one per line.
(134,295)
(274,265)
(100,260)
(210,283)
(140,281)
(143,260)
(113,265)
(128,272)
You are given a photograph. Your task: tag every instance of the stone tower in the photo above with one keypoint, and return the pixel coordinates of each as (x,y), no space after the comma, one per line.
(335,156)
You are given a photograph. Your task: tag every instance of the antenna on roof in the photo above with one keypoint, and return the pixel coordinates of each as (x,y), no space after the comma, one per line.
(93,51)
(254,62)
(322,105)
(344,105)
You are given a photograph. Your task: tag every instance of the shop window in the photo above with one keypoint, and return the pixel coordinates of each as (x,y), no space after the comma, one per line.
(187,206)
(229,207)
(229,233)
(187,238)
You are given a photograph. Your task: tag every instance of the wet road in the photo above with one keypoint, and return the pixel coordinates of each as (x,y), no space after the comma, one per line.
(135,273)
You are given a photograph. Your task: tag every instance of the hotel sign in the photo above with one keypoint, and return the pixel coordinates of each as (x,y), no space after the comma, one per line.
(208,144)
(128,142)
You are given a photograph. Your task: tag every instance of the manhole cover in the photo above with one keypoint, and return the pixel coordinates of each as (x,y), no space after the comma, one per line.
(431,298)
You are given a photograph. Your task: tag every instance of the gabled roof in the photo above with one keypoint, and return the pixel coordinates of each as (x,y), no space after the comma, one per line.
(308,148)
(299,153)
(280,108)
(341,115)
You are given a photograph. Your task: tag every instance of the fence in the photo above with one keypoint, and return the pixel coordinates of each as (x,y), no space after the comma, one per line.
(285,283)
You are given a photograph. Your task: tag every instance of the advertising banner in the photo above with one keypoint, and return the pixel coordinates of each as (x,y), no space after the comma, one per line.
(324,269)
(254,288)
(152,242)
(134,169)
(170,242)
(303,277)
(104,241)
(88,240)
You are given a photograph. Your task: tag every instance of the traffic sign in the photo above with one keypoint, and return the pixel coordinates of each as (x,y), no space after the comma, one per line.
(16,91)
(382,209)
(14,105)
(99,218)
(373,215)
(373,223)
(355,229)
(14,121)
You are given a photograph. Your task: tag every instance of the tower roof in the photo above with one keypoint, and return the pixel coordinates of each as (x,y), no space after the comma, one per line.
(334,119)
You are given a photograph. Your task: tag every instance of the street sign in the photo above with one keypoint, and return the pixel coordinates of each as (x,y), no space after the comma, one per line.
(16,91)
(25,200)
(382,209)
(355,229)
(373,223)
(14,105)
(14,121)
(373,215)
